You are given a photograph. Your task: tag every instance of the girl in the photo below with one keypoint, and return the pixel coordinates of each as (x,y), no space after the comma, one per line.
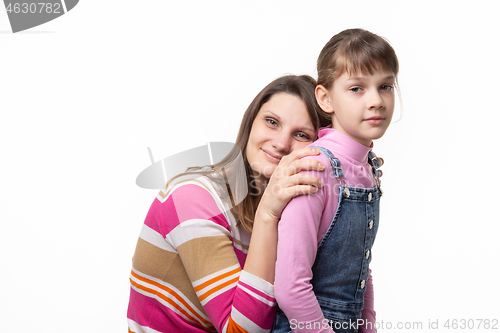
(195,268)
(323,281)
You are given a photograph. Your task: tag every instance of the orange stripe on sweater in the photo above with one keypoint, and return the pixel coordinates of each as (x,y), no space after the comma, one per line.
(232,327)
(163,297)
(169,291)
(219,287)
(217,278)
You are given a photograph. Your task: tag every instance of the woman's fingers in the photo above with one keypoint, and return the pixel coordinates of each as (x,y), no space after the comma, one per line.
(297,155)
(302,152)
(301,190)
(305,179)
(301,165)
(287,182)
(282,188)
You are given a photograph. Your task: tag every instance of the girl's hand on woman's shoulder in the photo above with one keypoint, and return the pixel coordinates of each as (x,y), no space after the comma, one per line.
(287,182)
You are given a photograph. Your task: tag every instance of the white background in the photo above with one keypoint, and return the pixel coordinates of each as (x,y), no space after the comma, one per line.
(83,96)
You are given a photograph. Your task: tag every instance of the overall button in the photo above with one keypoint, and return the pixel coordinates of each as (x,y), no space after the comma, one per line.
(370,196)
(367,254)
(362,284)
(347,193)
(370,224)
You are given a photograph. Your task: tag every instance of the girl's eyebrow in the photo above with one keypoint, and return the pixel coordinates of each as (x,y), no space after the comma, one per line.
(356,78)
(362,78)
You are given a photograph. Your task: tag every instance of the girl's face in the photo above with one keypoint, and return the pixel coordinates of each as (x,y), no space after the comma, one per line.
(362,105)
(282,125)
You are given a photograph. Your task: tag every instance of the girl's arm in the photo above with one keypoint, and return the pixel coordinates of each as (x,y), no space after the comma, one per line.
(297,246)
(368,314)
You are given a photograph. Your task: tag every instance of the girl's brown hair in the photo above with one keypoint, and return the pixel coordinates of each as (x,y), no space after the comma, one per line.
(354,50)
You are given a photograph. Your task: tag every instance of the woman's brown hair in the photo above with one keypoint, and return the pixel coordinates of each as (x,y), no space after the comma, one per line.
(301,86)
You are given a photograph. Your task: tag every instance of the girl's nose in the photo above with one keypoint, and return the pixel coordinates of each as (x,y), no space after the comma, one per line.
(375,101)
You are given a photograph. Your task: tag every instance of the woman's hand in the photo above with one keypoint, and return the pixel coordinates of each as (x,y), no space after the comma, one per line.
(287,182)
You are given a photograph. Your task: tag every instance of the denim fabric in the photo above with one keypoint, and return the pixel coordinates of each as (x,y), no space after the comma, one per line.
(341,267)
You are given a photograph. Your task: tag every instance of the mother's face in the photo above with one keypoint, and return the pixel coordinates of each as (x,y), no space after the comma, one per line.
(281,126)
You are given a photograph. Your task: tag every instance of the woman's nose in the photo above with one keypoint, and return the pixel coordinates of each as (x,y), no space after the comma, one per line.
(282,142)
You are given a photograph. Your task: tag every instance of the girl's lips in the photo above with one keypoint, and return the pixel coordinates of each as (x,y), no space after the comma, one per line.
(375,120)
(273,158)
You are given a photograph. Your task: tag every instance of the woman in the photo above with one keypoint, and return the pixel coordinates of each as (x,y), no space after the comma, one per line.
(195,268)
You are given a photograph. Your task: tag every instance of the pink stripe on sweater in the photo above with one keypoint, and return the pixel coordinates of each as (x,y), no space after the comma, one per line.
(152,218)
(149,313)
(190,202)
(258,292)
(242,256)
(251,308)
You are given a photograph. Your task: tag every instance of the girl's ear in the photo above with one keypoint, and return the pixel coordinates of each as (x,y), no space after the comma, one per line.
(324,99)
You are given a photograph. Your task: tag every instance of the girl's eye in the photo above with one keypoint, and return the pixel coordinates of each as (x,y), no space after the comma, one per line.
(386,87)
(272,121)
(355,89)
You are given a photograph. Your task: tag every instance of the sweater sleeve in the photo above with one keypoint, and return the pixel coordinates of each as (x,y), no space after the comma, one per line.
(234,300)
(297,246)
(204,285)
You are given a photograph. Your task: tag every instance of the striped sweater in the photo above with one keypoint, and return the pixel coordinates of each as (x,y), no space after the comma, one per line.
(187,268)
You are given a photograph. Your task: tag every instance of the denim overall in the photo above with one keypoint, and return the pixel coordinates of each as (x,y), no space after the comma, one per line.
(340,270)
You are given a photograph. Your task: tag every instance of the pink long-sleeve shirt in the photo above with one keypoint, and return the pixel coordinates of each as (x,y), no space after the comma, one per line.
(303,224)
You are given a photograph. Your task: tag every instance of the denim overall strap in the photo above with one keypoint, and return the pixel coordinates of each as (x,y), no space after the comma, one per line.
(336,168)
(373,161)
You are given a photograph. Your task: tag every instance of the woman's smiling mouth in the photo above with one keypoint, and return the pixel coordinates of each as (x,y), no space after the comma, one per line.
(272,157)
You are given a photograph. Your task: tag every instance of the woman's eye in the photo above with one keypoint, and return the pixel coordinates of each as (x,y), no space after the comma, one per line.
(303,136)
(272,121)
